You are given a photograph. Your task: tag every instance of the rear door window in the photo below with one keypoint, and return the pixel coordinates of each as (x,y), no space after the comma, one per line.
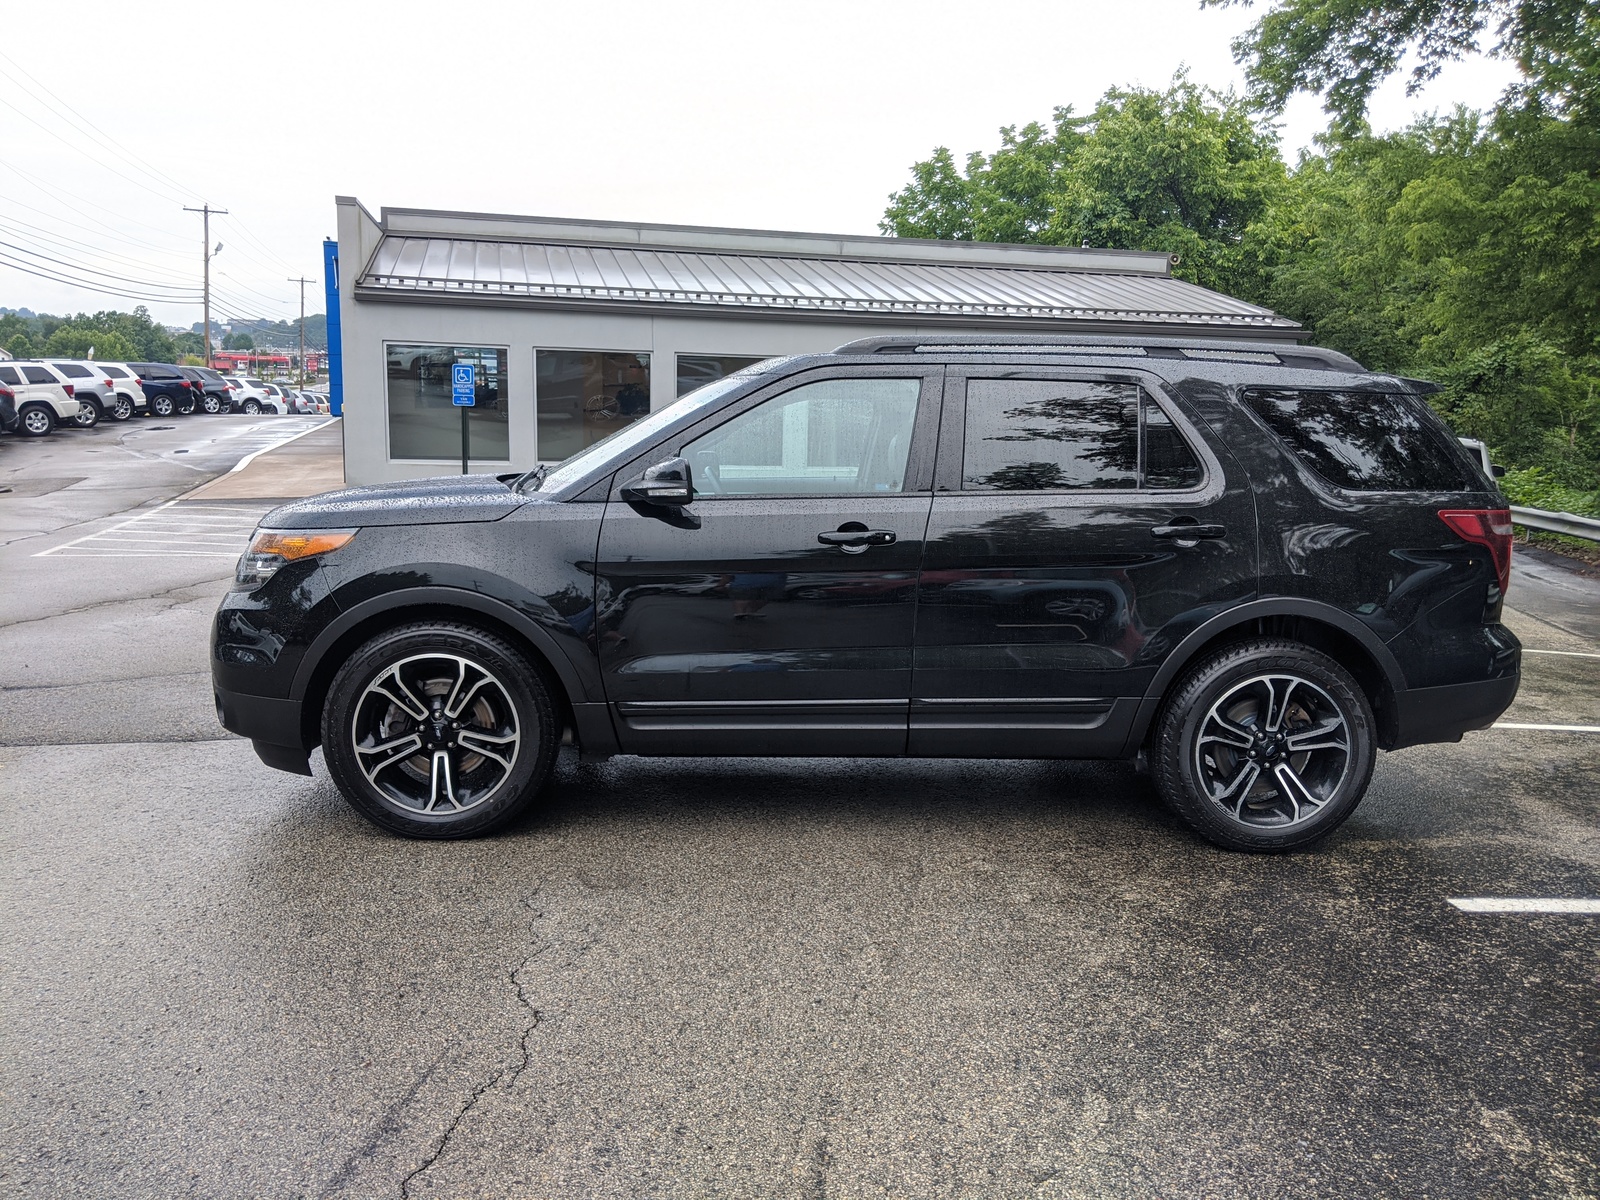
(1037,435)
(1366,441)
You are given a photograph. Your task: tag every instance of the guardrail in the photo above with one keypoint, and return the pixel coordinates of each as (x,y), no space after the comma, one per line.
(1557,522)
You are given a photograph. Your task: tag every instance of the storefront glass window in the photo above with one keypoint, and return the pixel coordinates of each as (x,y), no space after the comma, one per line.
(586,395)
(697,370)
(423,423)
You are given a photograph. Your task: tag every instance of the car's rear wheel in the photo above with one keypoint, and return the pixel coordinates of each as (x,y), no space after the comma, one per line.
(186,406)
(211,404)
(88,414)
(36,420)
(161,406)
(438,730)
(252,406)
(122,409)
(1267,745)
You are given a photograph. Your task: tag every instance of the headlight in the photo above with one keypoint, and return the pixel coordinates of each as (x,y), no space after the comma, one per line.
(272,548)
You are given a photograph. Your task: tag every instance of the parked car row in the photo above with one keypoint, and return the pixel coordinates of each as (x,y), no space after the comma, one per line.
(37,395)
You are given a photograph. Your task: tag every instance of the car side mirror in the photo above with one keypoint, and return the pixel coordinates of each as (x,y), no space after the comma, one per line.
(1497,470)
(669,484)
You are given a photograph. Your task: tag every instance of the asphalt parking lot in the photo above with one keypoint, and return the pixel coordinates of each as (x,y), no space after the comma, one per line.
(747,978)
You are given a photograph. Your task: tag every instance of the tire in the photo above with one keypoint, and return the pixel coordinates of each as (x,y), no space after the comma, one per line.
(211,404)
(122,410)
(252,406)
(1265,746)
(36,420)
(161,406)
(88,414)
(186,407)
(401,771)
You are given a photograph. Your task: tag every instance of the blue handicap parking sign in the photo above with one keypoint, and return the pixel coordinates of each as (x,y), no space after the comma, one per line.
(461,384)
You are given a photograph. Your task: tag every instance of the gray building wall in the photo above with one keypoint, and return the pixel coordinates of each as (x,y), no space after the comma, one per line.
(369,325)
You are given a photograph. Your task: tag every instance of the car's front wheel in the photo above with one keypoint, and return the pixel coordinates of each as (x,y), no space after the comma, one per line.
(438,730)
(1267,745)
(36,420)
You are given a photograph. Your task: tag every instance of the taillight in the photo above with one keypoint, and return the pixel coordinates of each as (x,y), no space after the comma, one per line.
(71,391)
(1486,527)
(185,383)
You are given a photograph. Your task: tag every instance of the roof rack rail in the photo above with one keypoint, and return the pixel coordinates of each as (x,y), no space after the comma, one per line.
(1215,348)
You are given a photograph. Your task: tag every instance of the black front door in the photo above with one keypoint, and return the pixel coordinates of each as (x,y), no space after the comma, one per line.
(1080,526)
(775,614)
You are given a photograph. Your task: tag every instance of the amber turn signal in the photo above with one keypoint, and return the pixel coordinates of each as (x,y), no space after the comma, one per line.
(273,548)
(292,546)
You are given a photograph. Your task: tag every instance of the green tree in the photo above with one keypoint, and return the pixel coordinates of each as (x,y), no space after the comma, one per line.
(1342,49)
(1185,170)
(20,345)
(238,341)
(78,341)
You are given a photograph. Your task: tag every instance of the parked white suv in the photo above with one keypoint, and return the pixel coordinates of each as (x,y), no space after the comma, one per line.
(93,389)
(253,395)
(44,399)
(130,396)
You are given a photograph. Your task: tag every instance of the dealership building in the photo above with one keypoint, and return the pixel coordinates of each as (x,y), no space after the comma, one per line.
(574,328)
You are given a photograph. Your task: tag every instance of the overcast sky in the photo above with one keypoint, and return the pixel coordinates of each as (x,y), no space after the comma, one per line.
(802,116)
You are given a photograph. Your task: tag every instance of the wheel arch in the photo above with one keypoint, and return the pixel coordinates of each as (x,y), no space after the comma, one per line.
(1320,626)
(366,620)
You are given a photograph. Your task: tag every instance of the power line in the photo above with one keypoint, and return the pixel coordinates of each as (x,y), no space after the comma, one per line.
(80,150)
(22,229)
(104,138)
(5,261)
(62,197)
(74,266)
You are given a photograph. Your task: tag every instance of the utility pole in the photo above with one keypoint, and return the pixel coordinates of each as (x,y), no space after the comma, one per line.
(302,283)
(206,211)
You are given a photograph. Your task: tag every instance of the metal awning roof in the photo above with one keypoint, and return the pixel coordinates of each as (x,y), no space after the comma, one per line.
(484,271)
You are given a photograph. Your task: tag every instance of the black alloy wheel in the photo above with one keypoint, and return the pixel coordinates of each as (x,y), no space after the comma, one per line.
(438,730)
(88,414)
(122,409)
(161,406)
(1267,745)
(36,420)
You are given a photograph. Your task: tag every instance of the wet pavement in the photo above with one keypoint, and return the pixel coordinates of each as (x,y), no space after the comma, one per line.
(808,978)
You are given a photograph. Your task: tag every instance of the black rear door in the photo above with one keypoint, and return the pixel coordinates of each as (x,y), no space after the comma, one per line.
(1081,525)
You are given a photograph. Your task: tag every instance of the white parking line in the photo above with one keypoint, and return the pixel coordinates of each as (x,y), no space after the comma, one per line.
(1563,653)
(250,458)
(1531,904)
(1547,728)
(172,530)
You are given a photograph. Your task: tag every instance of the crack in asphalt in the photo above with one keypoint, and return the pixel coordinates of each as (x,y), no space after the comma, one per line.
(73,612)
(142,678)
(508,1075)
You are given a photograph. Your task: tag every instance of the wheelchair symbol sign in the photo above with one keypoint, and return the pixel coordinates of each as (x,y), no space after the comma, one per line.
(461,384)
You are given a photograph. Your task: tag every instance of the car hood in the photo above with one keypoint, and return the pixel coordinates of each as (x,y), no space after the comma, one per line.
(444,500)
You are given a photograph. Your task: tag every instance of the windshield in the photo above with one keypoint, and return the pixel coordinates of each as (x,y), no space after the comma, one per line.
(621,443)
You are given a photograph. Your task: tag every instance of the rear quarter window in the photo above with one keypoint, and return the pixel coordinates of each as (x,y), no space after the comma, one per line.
(1365,441)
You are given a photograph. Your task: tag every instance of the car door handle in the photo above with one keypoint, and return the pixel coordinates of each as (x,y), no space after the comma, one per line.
(857,537)
(1189,533)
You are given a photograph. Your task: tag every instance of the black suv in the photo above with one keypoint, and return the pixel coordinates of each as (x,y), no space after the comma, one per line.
(1255,565)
